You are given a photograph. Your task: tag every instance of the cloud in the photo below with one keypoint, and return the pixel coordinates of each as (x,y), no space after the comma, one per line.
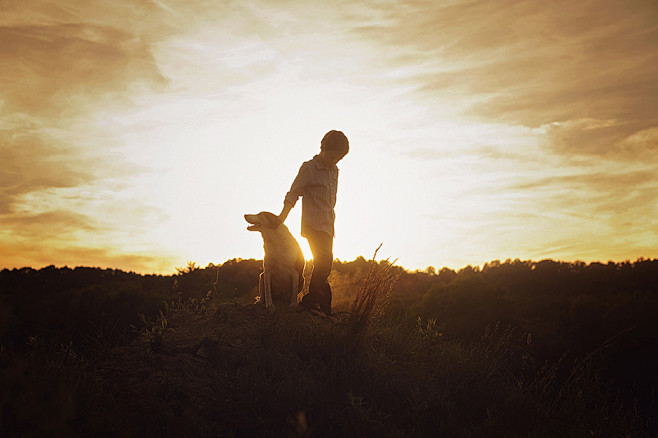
(23,254)
(62,66)
(533,63)
(36,159)
(578,77)
(642,144)
(51,225)
(30,163)
(56,70)
(69,238)
(624,201)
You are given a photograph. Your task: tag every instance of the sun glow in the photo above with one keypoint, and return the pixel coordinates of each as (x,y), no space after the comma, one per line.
(213,157)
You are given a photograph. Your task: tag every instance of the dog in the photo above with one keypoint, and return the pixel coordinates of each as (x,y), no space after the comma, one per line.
(283,263)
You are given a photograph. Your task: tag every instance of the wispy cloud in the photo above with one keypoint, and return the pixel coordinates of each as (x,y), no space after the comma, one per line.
(29,164)
(534,63)
(569,92)
(59,70)
(43,254)
(61,65)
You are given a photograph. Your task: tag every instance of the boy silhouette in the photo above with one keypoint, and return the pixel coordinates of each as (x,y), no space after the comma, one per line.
(317,184)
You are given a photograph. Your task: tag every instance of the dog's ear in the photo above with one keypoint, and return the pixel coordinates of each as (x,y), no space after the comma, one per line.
(272,219)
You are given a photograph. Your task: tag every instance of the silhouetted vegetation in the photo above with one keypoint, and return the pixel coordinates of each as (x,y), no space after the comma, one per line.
(515,348)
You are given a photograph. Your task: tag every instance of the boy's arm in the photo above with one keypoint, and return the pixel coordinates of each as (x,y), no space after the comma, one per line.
(296,190)
(284,213)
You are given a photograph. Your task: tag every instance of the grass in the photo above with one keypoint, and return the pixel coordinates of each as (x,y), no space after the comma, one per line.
(370,300)
(286,373)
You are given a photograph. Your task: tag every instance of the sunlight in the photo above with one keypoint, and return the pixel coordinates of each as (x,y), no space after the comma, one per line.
(206,170)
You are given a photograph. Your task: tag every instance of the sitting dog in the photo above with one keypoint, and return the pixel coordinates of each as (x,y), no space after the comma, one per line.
(283,264)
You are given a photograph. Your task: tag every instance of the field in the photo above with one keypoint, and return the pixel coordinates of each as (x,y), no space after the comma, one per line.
(510,349)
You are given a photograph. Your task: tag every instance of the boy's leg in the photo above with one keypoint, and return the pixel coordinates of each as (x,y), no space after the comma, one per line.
(321,244)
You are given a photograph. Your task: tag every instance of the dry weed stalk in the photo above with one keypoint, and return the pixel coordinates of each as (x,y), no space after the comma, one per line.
(370,299)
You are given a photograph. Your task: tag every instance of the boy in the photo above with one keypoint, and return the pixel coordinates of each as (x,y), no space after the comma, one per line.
(317,183)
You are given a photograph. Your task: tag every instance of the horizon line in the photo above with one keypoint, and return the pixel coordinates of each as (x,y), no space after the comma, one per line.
(427,269)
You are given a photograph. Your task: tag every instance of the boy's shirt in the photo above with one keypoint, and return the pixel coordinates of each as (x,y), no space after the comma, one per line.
(317,184)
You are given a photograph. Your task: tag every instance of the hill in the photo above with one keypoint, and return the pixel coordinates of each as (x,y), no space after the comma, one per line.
(513,349)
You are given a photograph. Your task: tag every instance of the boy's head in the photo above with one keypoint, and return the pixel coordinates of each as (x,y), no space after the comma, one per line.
(335,141)
(334,146)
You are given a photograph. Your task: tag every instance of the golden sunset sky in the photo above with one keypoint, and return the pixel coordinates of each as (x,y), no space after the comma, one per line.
(135,134)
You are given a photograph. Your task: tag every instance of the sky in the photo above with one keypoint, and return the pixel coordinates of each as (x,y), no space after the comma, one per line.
(136,134)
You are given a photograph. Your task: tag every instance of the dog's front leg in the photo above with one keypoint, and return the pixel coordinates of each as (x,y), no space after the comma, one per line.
(261,288)
(268,289)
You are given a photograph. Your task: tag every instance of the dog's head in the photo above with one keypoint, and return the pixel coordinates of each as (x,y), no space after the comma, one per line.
(262,221)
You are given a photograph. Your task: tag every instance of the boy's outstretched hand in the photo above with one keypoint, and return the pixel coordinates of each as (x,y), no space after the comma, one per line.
(284,213)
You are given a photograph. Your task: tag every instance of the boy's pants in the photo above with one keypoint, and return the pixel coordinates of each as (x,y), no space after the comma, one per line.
(319,291)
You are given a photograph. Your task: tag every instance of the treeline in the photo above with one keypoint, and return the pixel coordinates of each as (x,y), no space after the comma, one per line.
(569,306)
(564,311)
(94,307)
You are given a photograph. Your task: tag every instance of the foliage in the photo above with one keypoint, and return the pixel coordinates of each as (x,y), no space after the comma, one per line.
(154,332)
(369,300)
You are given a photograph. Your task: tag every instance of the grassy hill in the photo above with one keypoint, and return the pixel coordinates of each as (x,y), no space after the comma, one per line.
(455,358)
